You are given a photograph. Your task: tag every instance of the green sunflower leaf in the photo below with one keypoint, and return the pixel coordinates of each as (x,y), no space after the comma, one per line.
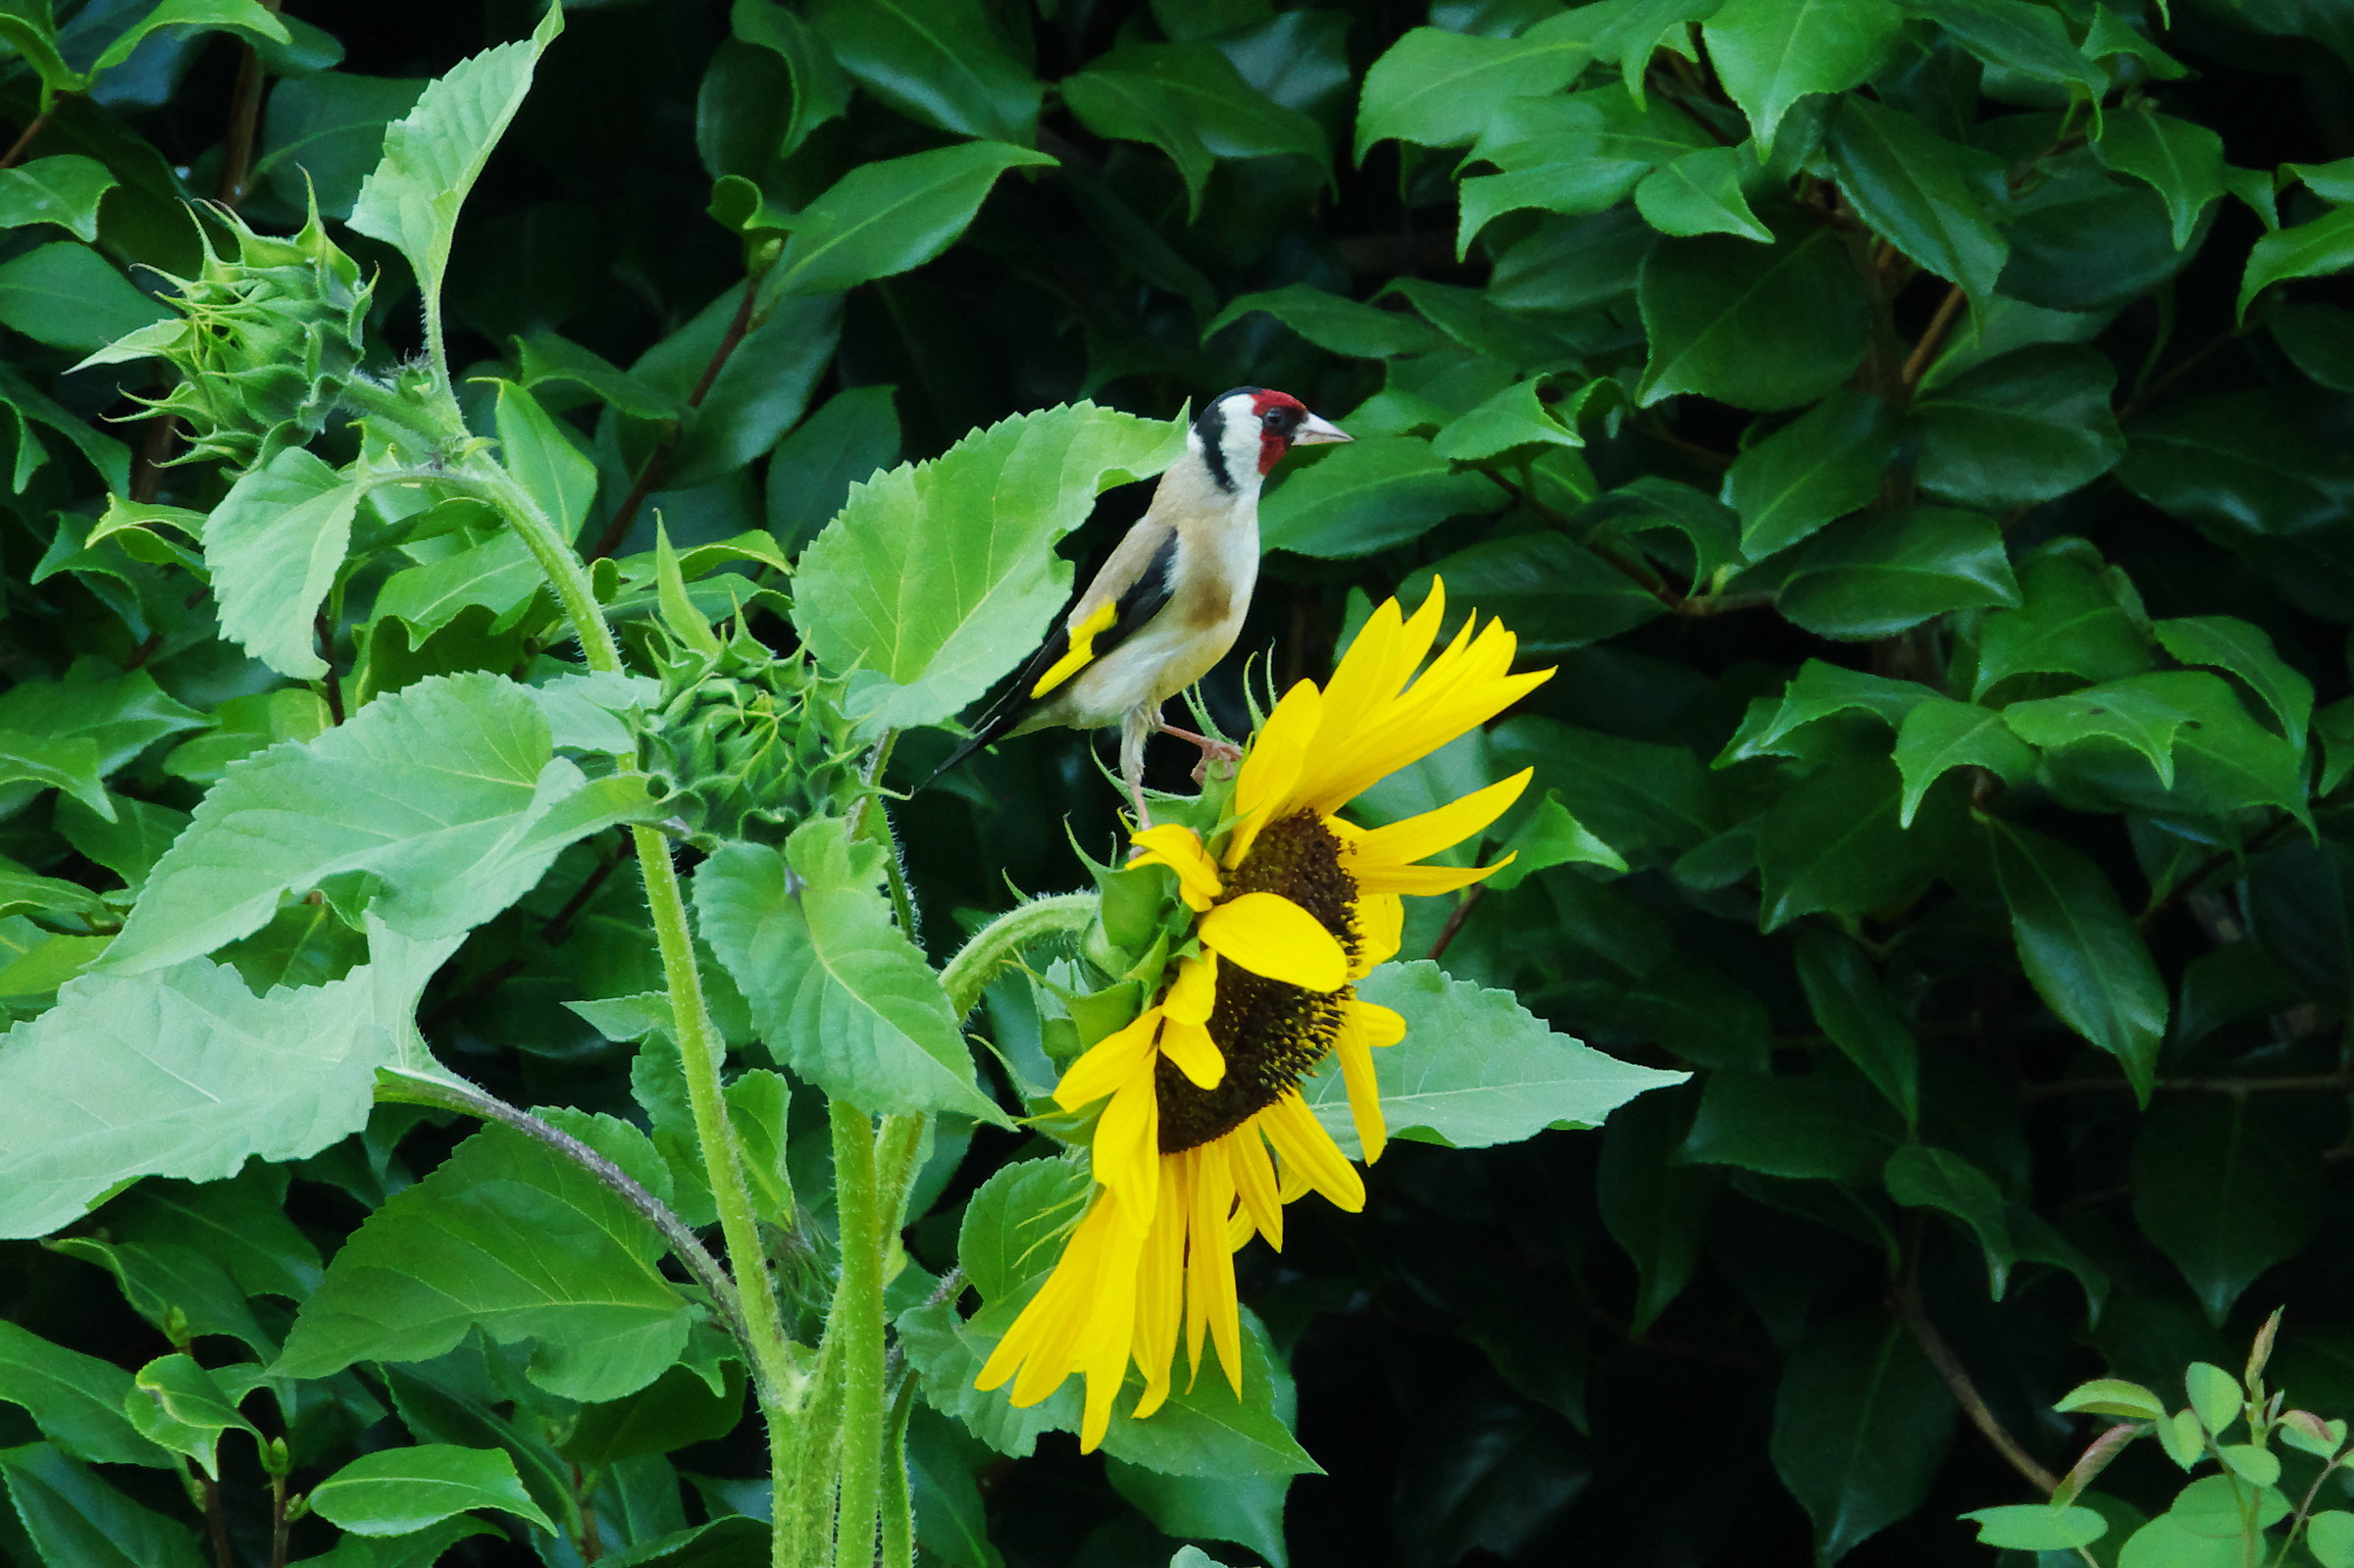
(1475,1068)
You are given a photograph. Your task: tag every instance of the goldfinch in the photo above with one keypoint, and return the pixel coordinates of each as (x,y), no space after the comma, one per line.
(1169,602)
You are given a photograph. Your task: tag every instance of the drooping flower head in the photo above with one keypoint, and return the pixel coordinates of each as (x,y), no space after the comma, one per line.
(1203,1134)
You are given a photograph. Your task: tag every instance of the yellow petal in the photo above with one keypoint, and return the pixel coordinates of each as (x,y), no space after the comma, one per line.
(1271,769)
(1194,991)
(1254,1181)
(1268,934)
(1377,1026)
(1380,927)
(1160,1288)
(1116,1060)
(1192,1052)
(1423,881)
(1209,1262)
(1104,1346)
(1364,1092)
(1303,1147)
(1180,849)
(1126,1150)
(1418,838)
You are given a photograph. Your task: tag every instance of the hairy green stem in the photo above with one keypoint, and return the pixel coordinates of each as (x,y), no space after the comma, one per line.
(856,1320)
(899,1509)
(996,945)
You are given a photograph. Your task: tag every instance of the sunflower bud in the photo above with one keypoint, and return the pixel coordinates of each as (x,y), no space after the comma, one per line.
(264,342)
(747,744)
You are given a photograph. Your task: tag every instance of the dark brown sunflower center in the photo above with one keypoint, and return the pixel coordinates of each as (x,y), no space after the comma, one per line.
(1272,1034)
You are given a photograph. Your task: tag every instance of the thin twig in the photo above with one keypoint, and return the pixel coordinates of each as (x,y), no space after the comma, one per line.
(1915,1317)
(216,1522)
(1916,363)
(244,116)
(1455,921)
(2190,362)
(649,473)
(15,148)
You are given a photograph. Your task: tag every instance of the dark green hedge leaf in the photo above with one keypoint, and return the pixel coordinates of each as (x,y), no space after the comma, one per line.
(1367,496)
(1761,329)
(1817,691)
(1879,574)
(2226,763)
(2083,239)
(1770,54)
(2069,622)
(75,1400)
(941,61)
(397,1492)
(1940,734)
(853,437)
(821,91)
(1919,1177)
(1656,1207)
(1833,843)
(509,1236)
(2226,1187)
(328,130)
(1700,193)
(2226,642)
(74,1517)
(1851,1003)
(1920,192)
(1335,322)
(1441,90)
(2027,427)
(2180,161)
(2017,35)
(2308,250)
(2080,949)
(883,218)
(1824,464)
(1555,594)
(1861,1423)
(64,191)
(69,296)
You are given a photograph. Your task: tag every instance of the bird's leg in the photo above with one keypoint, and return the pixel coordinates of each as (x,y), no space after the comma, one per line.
(1133,730)
(1212,750)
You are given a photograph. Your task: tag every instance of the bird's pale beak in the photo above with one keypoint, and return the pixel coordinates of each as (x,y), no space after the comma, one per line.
(1314,431)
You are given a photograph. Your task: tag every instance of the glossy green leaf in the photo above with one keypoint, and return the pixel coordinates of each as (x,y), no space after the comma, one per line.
(882,218)
(853,437)
(1515,417)
(75,1400)
(1757,327)
(1851,1001)
(1555,594)
(942,63)
(1475,1068)
(433,154)
(1770,54)
(1700,193)
(2037,1527)
(2225,1188)
(838,993)
(1824,464)
(64,191)
(2329,1535)
(177,1404)
(395,1492)
(1942,734)
(72,1516)
(323,134)
(2182,161)
(1919,1177)
(509,1236)
(184,1072)
(1919,192)
(2080,948)
(2224,761)
(446,796)
(2027,427)
(1334,322)
(1878,576)
(2314,249)
(1655,1207)
(2069,622)
(2130,715)
(1367,496)
(2113,1397)
(937,577)
(821,91)
(69,296)
(1860,1425)
(1835,843)
(249,17)
(1440,89)
(1818,1126)
(2017,35)
(1817,691)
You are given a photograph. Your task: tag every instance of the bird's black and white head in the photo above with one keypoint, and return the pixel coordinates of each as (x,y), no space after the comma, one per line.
(1244,434)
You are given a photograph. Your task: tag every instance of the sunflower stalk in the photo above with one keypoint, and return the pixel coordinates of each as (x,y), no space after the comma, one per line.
(856,1322)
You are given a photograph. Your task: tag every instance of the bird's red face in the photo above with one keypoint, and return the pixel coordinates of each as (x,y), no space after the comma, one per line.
(1284,420)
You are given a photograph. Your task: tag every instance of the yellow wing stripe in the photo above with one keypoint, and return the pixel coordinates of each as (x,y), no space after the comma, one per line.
(1083,649)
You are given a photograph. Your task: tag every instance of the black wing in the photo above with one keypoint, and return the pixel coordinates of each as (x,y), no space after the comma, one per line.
(1014,703)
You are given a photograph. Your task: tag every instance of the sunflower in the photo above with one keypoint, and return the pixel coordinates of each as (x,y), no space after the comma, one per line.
(1202,1135)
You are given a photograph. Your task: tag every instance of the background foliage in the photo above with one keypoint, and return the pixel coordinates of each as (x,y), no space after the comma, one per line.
(1920,430)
